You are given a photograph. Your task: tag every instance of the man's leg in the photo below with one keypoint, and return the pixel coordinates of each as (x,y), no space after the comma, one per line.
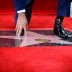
(29,11)
(63,10)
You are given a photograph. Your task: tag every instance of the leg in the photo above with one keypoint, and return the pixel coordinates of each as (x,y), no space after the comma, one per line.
(63,10)
(29,11)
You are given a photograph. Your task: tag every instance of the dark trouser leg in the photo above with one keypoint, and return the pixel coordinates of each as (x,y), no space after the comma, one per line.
(28,12)
(63,8)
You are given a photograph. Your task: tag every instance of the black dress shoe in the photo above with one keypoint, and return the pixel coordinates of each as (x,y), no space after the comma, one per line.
(59,30)
(22,32)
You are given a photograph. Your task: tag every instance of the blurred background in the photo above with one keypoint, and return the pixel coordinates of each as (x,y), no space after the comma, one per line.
(39,5)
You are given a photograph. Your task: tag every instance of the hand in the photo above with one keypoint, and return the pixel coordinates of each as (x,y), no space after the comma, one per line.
(21,24)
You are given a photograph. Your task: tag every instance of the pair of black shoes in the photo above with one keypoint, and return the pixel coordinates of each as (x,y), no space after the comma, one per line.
(59,30)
